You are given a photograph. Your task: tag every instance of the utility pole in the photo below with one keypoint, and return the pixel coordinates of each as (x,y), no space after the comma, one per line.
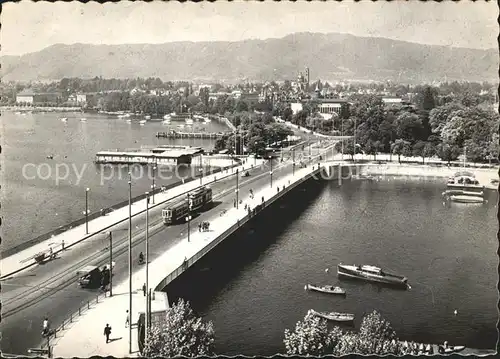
(271,173)
(153,187)
(342,141)
(110,263)
(147,267)
(237,188)
(130,262)
(87,210)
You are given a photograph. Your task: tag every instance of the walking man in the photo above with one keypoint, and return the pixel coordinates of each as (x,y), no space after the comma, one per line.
(144,289)
(127,321)
(107,332)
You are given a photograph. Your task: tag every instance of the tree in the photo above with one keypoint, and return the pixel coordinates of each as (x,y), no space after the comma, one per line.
(408,126)
(182,334)
(373,147)
(439,116)
(447,152)
(400,147)
(423,149)
(310,337)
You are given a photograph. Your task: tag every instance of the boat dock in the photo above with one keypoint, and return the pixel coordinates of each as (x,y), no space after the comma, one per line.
(202,135)
(171,155)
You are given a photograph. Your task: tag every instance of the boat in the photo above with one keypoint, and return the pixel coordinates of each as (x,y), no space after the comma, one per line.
(83,119)
(64,119)
(167,117)
(142,122)
(330,289)
(334,316)
(467,199)
(147,117)
(371,273)
(166,122)
(464,180)
(448,349)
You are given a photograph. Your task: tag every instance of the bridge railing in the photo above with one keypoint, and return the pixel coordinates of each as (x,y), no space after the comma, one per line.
(85,306)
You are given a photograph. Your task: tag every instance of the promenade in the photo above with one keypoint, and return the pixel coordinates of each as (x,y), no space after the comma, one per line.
(25,259)
(84,337)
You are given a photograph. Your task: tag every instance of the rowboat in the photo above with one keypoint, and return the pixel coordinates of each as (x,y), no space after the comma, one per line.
(450,349)
(334,316)
(330,289)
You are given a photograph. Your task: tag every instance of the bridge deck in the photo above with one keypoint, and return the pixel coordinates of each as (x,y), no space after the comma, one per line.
(84,338)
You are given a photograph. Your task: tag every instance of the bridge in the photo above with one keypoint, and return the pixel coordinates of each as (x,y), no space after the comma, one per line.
(31,291)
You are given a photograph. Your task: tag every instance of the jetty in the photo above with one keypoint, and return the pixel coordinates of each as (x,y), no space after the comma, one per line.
(202,135)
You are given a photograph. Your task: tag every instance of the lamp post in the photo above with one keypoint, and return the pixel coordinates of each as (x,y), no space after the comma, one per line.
(271,172)
(130,261)
(147,267)
(354,150)
(293,159)
(87,210)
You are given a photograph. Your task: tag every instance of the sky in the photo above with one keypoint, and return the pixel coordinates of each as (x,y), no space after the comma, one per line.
(29,27)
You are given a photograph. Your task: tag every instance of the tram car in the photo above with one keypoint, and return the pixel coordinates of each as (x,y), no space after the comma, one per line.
(176,210)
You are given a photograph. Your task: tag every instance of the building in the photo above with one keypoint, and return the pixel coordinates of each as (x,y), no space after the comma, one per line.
(328,107)
(395,102)
(34,98)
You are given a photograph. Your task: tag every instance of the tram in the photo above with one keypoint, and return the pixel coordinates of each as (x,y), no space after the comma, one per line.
(176,210)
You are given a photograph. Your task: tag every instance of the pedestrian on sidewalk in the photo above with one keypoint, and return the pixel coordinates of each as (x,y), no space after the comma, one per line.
(62,243)
(144,289)
(107,332)
(127,321)
(199,227)
(234,203)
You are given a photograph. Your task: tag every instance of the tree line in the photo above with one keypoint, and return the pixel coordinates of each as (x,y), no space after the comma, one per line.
(182,333)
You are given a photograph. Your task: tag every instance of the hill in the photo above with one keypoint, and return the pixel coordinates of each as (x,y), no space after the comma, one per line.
(329,57)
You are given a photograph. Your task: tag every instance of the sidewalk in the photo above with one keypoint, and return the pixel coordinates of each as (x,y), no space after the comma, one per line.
(25,258)
(85,337)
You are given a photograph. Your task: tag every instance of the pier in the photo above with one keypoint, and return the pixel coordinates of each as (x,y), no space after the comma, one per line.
(170,155)
(201,135)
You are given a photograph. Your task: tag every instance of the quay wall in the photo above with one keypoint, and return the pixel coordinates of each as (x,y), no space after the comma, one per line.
(342,171)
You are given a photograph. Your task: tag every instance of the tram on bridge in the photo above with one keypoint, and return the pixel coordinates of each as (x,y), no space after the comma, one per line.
(176,210)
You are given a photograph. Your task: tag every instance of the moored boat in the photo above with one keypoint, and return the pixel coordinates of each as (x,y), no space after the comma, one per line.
(467,199)
(371,273)
(330,289)
(64,119)
(334,316)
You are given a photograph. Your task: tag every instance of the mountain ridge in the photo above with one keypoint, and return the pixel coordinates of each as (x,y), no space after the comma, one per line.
(332,57)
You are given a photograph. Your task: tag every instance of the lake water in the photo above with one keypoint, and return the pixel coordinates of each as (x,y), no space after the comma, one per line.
(253,287)
(34,206)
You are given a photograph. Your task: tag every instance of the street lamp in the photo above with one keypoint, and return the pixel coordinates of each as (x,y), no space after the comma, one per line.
(87,210)
(130,260)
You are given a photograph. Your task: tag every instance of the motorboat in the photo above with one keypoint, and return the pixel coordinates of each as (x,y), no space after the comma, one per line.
(448,349)
(466,181)
(371,273)
(330,289)
(334,316)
